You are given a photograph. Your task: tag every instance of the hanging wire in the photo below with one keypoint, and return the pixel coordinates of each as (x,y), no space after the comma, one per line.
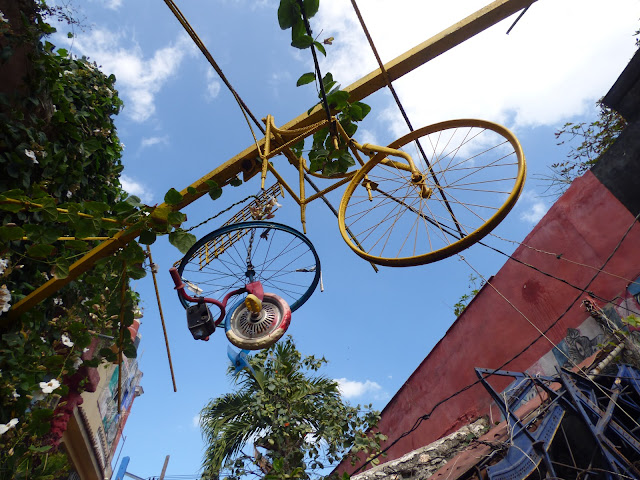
(560,256)
(387,79)
(441,402)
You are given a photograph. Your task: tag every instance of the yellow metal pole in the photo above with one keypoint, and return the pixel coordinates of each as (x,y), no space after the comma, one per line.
(248,162)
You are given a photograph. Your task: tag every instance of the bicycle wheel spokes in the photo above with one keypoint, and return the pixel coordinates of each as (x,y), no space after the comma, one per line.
(476,171)
(281,258)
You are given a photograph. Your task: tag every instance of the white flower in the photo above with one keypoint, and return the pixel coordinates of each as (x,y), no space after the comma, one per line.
(4,263)
(66,341)
(78,361)
(69,194)
(31,155)
(85,350)
(3,18)
(15,394)
(68,72)
(5,298)
(274,203)
(57,301)
(50,386)
(5,427)
(43,340)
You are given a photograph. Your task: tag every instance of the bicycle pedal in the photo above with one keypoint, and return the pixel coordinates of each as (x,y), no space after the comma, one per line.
(253,303)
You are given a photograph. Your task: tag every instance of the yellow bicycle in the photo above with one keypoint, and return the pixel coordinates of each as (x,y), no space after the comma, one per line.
(425,197)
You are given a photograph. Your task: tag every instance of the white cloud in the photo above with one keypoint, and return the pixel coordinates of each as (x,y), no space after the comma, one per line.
(139,79)
(352,388)
(133,187)
(113,4)
(195,421)
(151,141)
(558,59)
(213,85)
(532,207)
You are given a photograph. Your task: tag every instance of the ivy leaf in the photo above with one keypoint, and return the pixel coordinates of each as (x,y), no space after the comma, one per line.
(182,240)
(96,207)
(41,234)
(299,37)
(288,13)
(61,268)
(176,218)
(364,107)
(49,209)
(130,351)
(87,227)
(306,78)
(8,234)
(235,182)
(338,100)
(214,190)
(148,237)
(40,251)
(134,201)
(320,48)
(311,7)
(173,197)
(78,245)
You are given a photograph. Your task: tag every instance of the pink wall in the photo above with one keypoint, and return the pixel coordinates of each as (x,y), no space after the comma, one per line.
(585,225)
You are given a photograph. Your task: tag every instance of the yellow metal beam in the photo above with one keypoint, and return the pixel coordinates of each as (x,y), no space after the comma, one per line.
(246,162)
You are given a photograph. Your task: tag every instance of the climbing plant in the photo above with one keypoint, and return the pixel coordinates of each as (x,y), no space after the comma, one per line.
(61,160)
(329,152)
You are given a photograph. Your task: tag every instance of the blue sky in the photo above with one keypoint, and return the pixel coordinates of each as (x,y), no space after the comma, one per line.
(179,123)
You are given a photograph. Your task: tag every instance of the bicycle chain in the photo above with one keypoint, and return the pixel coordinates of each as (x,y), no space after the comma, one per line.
(255,197)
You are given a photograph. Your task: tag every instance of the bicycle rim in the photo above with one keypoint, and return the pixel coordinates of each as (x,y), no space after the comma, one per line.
(475,170)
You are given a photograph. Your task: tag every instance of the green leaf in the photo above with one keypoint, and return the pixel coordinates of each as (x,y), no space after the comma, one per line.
(130,351)
(41,233)
(79,245)
(148,237)
(176,218)
(311,7)
(306,78)
(320,48)
(214,190)
(133,200)
(87,227)
(299,37)
(8,234)
(235,182)
(44,448)
(338,100)
(61,268)
(173,197)
(182,240)
(364,107)
(13,339)
(288,13)
(96,207)
(191,190)
(49,210)
(40,251)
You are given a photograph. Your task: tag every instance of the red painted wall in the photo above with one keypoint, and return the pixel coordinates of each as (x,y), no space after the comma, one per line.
(585,225)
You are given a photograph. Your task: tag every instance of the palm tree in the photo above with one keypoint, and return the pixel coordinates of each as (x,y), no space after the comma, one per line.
(295,419)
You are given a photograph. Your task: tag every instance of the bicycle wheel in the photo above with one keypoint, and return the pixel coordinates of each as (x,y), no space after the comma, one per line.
(475,170)
(255,332)
(281,258)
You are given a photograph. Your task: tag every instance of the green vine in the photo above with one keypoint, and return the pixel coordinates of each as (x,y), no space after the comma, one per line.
(62,157)
(329,152)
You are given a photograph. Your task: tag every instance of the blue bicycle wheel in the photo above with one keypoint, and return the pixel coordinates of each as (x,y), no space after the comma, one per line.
(280,257)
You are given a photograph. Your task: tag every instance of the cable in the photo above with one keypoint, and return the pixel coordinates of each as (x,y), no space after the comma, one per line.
(387,79)
(427,415)
(560,256)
